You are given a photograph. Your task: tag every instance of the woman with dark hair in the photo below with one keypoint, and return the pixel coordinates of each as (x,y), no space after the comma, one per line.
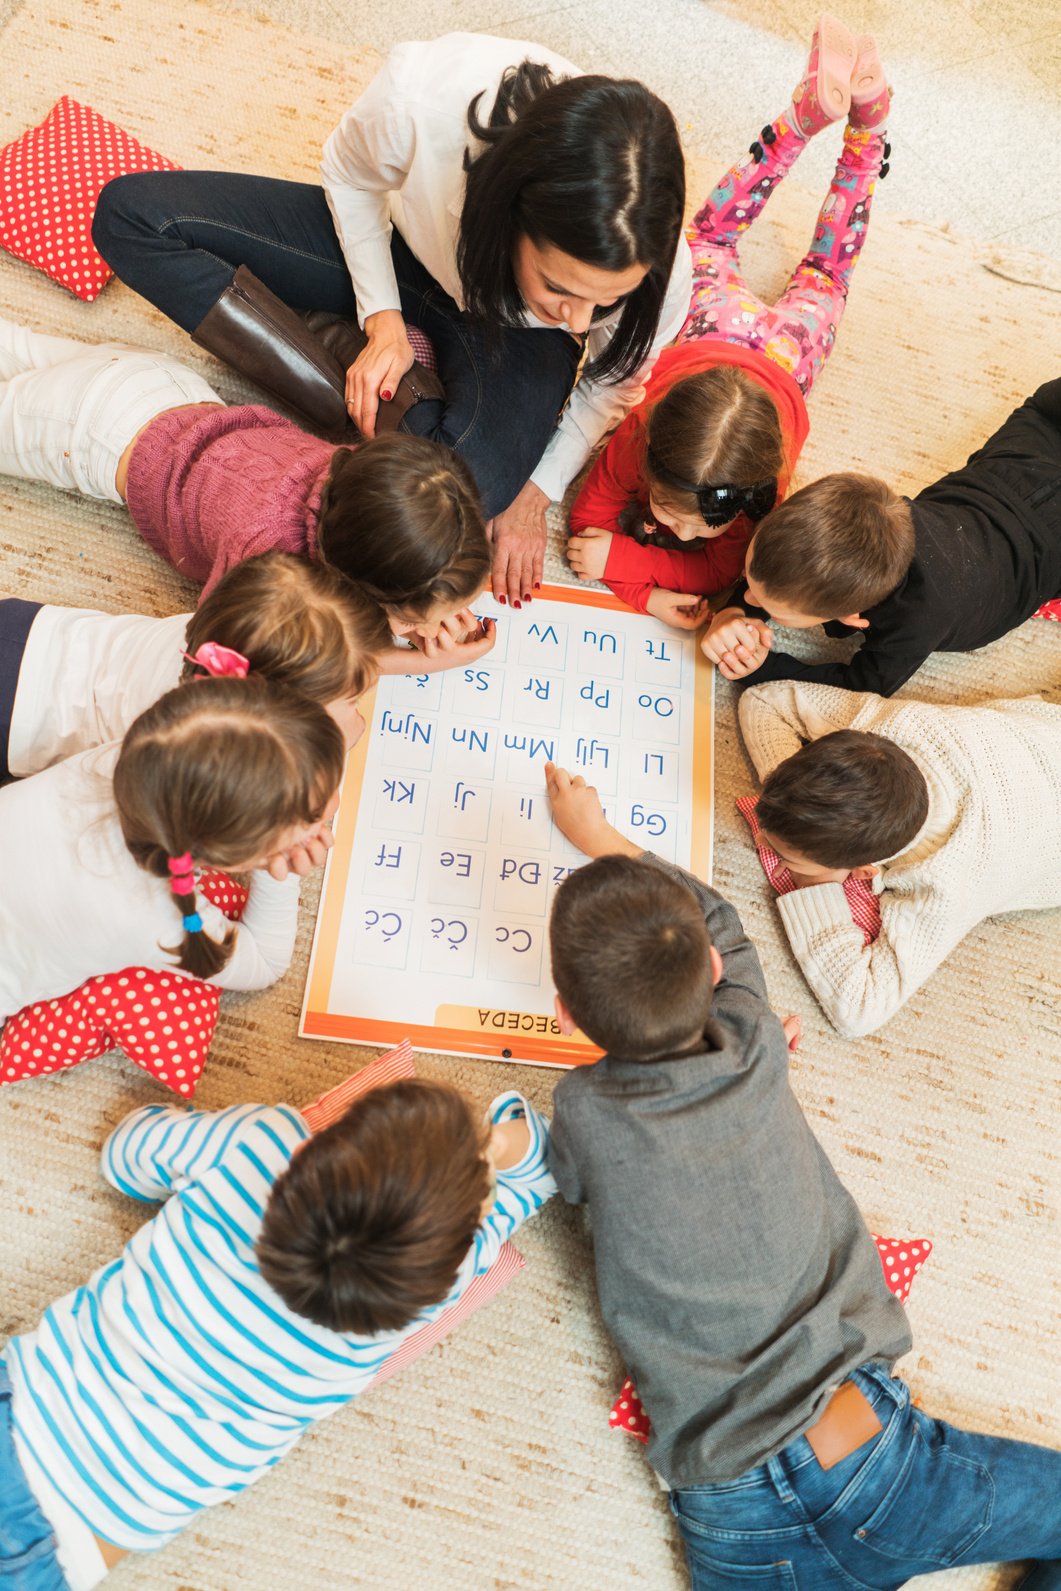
(517,212)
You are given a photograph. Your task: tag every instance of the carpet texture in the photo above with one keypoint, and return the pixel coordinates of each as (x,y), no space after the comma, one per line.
(492,1464)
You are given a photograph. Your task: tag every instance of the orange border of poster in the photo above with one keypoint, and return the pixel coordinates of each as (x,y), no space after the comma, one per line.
(319,1023)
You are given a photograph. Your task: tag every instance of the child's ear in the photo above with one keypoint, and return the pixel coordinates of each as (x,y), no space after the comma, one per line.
(716,966)
(568,1025)
(869,871)
(855,621)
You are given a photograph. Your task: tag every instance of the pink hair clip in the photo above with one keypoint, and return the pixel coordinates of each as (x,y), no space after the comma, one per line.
(182,874)
(220,661)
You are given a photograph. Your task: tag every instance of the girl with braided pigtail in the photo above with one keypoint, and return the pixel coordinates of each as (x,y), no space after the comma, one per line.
(228,773)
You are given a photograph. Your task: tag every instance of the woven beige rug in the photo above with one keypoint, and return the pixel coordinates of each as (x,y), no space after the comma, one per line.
(491,1465)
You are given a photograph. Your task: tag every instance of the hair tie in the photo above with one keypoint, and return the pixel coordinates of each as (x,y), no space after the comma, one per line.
(193,923)
(219,661)
(182,874)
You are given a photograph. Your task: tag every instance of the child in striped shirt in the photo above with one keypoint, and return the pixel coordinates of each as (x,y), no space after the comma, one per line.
(281,1273)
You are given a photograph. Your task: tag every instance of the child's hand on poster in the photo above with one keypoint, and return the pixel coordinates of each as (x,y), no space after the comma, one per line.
(459,641)
(678,608)
(578,815)
(459,630)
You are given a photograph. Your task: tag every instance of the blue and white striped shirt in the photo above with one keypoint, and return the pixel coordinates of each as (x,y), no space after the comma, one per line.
(176,1376)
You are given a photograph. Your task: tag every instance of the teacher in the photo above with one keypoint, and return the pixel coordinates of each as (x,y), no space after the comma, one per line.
(526,217)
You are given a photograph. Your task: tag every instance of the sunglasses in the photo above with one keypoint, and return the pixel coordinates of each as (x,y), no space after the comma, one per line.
(719,504)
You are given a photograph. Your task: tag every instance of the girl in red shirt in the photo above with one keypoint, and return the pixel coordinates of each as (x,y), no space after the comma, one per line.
(713,444)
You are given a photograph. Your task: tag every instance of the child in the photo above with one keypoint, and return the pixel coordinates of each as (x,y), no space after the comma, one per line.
(715,441)
(966,560)
(917,789)
(734,1270)
(99,853)
(279,1276)
(208,485)
(72,678)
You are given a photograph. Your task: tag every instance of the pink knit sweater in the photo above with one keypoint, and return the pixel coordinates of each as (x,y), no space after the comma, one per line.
(210,487)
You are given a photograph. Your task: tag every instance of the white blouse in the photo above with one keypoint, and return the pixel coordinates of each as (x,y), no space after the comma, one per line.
(396,158)
(73,903)
(85,676)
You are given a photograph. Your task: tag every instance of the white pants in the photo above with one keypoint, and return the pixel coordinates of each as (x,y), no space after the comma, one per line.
(68,410)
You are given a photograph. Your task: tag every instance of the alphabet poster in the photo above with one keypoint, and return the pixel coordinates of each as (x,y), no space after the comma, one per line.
(434,912)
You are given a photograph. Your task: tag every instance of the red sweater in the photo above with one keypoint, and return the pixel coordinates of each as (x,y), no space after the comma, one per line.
(210,487)
(616,480)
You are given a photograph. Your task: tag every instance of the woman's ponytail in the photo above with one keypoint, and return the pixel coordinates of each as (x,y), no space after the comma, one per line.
(518,89)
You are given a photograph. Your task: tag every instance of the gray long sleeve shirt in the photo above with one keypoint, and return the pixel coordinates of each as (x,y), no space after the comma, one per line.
(734,1270)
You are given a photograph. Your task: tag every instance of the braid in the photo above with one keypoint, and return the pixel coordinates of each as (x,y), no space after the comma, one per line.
(197,952)
(213,774)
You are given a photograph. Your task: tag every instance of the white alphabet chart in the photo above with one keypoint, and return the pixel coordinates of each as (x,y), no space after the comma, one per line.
(434,914)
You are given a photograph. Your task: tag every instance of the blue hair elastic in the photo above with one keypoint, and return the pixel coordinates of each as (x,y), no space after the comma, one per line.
(193,923)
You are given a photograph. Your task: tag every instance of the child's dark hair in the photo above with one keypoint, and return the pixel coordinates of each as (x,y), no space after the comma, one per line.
(845,800)
(217,771)
(836,547)
(401,517)
(717,428)
(631,958)
(592,166)
(370,1222)
(302,624)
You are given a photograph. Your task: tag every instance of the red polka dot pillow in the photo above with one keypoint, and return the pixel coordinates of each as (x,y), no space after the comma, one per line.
(50,179)
(164,1021)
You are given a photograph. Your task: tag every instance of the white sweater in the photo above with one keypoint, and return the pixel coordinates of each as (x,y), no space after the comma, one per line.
(84,677)
(991,841)
(73,903)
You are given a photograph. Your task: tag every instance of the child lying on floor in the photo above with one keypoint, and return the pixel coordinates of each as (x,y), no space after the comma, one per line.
(102,854)
(966,560)
(734,1270)
(714,443)
(73,678)
(281,1274)
(955,809)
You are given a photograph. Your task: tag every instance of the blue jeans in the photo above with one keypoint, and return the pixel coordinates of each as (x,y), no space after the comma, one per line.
(921,1496)
(28,1560)
(178,237)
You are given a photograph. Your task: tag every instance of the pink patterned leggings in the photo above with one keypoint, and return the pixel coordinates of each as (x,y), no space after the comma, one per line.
(798,332)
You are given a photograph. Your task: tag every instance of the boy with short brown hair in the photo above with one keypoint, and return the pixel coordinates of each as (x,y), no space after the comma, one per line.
(965,561)
(281,1273)
(954,810)
(737,1276)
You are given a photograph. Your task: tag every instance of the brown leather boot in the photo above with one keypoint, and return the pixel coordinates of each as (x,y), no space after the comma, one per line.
(345,339)
(257,334)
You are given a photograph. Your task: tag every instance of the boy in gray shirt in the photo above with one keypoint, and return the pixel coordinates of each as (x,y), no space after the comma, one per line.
(734,1270)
